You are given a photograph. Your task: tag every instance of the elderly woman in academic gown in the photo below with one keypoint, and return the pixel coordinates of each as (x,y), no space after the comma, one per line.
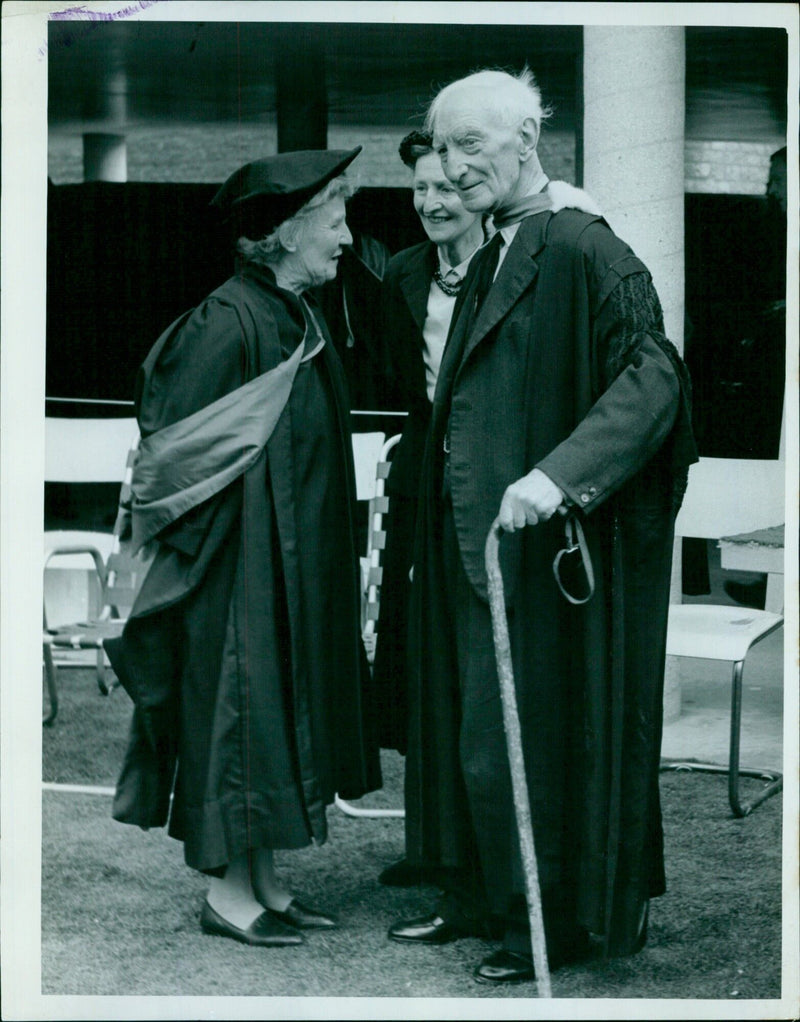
(243,655)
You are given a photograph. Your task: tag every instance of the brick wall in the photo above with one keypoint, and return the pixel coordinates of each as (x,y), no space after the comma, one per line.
(208,153)
(734,168)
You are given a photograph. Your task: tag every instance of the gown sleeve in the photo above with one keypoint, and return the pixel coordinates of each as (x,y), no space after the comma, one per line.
(638,404)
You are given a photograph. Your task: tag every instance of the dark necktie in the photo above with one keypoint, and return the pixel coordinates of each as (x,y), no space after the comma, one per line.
(487,266)
(459,332)
(465,315)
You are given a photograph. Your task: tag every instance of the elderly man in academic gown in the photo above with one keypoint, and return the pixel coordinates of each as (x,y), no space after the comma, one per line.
(559,398)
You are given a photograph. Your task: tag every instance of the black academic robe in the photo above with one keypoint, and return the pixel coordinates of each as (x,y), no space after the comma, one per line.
(557,373)
(243,654)
(351,306)
(404,303)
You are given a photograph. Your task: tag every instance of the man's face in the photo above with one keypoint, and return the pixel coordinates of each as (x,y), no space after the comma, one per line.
(479,154)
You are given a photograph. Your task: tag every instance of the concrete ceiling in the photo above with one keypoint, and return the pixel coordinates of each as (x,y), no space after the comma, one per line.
(120,75)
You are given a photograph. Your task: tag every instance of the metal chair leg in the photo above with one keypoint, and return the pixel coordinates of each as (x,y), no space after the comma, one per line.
(734,770)
(102,684)
(350,810)
(52,684)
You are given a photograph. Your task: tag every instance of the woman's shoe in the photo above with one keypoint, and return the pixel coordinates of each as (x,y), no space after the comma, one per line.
(267,930)
(302,917)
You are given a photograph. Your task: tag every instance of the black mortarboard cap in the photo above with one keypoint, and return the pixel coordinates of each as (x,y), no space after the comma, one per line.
(262,194)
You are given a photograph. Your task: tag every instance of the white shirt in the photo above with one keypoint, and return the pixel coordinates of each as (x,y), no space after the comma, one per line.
(437,319)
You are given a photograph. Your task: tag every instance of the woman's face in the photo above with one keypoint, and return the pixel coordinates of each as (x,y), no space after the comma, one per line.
(437,202)
(324,233)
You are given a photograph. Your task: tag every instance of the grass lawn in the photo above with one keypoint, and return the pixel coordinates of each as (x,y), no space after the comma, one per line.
(120,909)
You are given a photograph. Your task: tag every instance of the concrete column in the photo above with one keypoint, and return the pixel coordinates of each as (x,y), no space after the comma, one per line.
(105,157)
(633,165)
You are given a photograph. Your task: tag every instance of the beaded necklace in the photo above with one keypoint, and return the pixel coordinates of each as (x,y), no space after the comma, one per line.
(449,289)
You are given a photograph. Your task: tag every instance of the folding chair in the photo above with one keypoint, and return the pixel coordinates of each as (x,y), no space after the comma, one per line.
(376,541)
(716,505)
(366,455)
(79,451)
(116,576)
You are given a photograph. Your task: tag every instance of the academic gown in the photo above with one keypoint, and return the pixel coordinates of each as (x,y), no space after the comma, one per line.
(243,654)
(552,376)
(404,303)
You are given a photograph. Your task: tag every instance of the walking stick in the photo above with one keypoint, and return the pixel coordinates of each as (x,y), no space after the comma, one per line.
(519,783)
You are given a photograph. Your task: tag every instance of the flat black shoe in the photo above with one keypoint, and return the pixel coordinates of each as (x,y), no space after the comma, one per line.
(431,929)
(265,931)
(301,917)
(505,966)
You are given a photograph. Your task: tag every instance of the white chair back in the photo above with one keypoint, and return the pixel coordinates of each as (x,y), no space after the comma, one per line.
(366,454)
(87,450)
(728,496)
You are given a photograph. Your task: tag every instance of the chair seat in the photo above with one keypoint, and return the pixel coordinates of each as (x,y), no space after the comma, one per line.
(89,635)
(716,632)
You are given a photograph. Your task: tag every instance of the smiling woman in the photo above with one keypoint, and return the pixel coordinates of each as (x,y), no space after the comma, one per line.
(419,294)
(304,250)
(454,229)
(243,654)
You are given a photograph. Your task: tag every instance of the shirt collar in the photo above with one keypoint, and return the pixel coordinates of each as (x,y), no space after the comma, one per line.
(462,267)
(509,232)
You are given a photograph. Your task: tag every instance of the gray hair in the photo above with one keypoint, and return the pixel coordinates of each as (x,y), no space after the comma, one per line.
(513,97)
(268,250)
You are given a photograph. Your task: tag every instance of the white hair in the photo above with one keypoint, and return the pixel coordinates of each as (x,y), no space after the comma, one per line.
(514,98)
(268,250)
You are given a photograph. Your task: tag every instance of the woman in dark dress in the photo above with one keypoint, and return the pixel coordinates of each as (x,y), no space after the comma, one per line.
(418,296)
(243,655)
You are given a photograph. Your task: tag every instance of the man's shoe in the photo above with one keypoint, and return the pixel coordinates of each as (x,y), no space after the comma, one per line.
(265,931)
(431,929)
(302,917)
(505,966)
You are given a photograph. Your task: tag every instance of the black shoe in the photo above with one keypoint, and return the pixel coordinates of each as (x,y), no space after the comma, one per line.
(264,931)
(431,929)
(303,918)
(505,966)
